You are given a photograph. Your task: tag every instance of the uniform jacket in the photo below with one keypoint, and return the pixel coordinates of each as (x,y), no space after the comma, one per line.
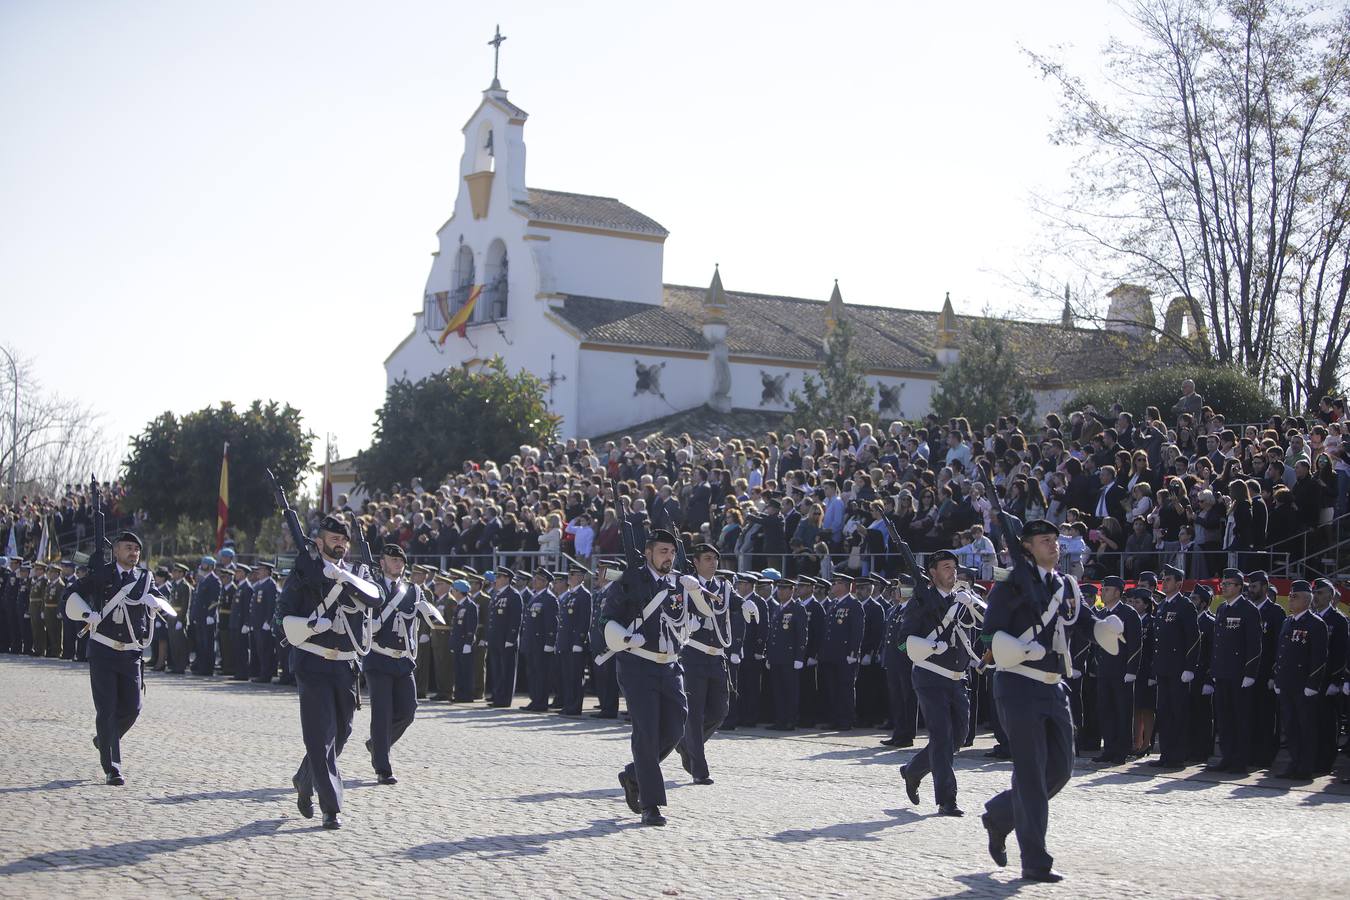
(504,618)
(844,627)
(1126,661)
(539,629)
(1176,638)
(1302,656)
(1236,649)
(788,632)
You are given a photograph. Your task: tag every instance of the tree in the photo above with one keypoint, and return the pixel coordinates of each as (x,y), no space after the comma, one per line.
(173,469)
(1226,390)
(430,427)
(1217,170)
(984,383)
(841,388)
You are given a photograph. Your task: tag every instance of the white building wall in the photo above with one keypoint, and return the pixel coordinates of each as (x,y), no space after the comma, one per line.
(611,376)
(595,265)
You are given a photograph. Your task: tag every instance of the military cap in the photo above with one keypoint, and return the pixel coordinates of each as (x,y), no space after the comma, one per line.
(39,564)
(208,562)
(837,576)
(904,580)
(460,585)
(773,503)
(68,564)
(130,537)
(559,575)
(1300,587)
(1171,571)
(1203,592)
(499,572)
(939,556)
(264,563)
(1322,583)
(181,567)
(470,570)
(661,536)
(577,569)
(1088,590)
(785,581)
(395,551)
(162,571)
(1038,527)
(1114,581)
(227,553)
(1260,576)
(1233,575)
(543,573)
(243,568)
(334,525)
(1146,577)
(984,591)
(24,564)
(443,578)
(698,549)
(1139,593)
(770,575)
(747,577)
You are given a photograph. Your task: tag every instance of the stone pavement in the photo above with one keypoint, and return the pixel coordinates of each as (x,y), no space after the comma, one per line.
(512,804)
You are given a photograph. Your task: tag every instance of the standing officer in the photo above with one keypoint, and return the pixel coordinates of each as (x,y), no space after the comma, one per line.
(261,612)
(70,630)
(871,679)
(503,634)
(750,669)
(418,576)
(1234,665)
(202,617)
(389,665)
(481,596)
(224,633)
(324,613)
(900,671)
(1116,675)
(8,577)
(1176,657)
(179,594)
(707,683)
(159,644)
(1201,744)
(51,609)
(538,639)
(574,623)
(810,694)
(463,635)
(1266,724)
(789,634)
(117,602)
(37,610)
(840,651)
(935,638)
(1300,671)
(240,613)
(440,649)
(1328,704)
(604,673)
(22,621)
(1025,623)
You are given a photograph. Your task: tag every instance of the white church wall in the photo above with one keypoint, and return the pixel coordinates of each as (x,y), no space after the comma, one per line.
(748,388)
(685,384)
(596,265)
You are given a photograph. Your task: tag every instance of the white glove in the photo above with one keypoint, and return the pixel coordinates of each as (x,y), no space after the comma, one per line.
(245,630)
(1271,684)
(1035,650)
(210,621)
(267,626)
(330,570)
(941,647)
(508,644)
(319,626)
(766,665)
(1248,682)
(809,662)
(867,659)
(576,648)
(1075,674)
(482,643)
(1333,690)
(1187,677)
(735,659)
(850,659)
(798,664)
(93,619)
(1207,690)
(1345,688)
(975,663)
(636,641)
(750,611)
(424,639)
(549,648)
(1152,682)
(1277,692)
(1129,679)
(1310,692)
(690,584)
(467,648)
(761,656)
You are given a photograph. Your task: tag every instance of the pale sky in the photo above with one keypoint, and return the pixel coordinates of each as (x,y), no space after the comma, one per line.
(208,201)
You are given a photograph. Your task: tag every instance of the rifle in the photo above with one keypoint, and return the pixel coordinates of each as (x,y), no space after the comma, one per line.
(916,571)
(101,543)
(632,553)
(1008,525)
(308,566)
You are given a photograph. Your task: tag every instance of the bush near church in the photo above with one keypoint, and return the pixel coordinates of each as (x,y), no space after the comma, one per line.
(1225,389)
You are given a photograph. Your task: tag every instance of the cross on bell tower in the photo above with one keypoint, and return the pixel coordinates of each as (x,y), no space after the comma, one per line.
(496,45)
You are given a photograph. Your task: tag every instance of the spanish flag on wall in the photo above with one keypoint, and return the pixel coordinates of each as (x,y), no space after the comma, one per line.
(460,322)
(223,500)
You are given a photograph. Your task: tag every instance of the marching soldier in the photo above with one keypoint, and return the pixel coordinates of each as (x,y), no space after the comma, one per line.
(1176,658)
(574,619)
(786,654)
(262,610)
(1300,672)
(324,613)
(202,617)
(118,603)
(1328,704)
(503,634)
(900,671)
(463,638)
(538,639)
(934,631)
(1116,675)
(604,674)
(1201,746)
(1235,665)
(840,652)
(1266,723)
(707,682)
(444,658)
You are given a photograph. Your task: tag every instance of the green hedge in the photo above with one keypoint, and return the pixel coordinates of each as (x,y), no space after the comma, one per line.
(1229,391)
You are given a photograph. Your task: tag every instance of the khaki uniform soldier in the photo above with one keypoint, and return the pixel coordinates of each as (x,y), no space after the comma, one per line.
(37,601)
(484,600)
(422,674)
(180,596)
(442,655)
(51,612)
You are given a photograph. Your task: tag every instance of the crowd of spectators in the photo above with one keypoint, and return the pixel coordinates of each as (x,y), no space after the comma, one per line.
(69,516)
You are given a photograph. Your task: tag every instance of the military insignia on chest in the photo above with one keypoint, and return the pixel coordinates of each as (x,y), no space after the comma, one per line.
(787,620)
(1298,636)
(1170,617)
(1232,624)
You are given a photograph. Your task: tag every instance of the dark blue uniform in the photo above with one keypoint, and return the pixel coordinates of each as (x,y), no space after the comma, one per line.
(574,620)
(1176,651)
(1235,658)
(1034,711)
(538,641)
(1201,743)
(261,636)
(604,675)
(899,679)
(786,656)
(503,634)
(871,678)
(389,670)
(1300,673)
(240,617)
(1266,723)
(202,617)
(1115,695)
(463,632)
(840,652)
(751,676)
(735,656)
(707,682)
(1328,705)
(809,676)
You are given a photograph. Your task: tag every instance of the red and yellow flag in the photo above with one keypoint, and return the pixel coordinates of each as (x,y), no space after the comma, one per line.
(223,500)
(460,322)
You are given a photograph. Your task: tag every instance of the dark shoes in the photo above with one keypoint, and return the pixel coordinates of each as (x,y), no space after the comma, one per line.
(999,752)
(704,780)
(898,743)
(303,801)
(261,680)
(652,816)
(911,787)
(604,715)
(1049,876)
(630,791)
(950,809)
(386,779)
(998,843)
(331,821)
(115,780)
(781,728)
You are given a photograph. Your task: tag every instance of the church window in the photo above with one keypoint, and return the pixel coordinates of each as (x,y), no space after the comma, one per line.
(496,283)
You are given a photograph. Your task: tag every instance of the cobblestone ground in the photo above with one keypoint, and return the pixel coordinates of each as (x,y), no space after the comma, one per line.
(505,803)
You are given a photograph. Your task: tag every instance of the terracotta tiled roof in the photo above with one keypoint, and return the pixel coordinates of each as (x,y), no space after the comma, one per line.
(885,337)
(584,209)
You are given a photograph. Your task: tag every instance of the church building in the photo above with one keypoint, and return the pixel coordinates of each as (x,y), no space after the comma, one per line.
(570,287)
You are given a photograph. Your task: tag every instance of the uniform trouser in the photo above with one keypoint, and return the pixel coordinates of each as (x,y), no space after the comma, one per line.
(553,674)
(1200,743)
(480,654)
(871,690)
(1040,739)
(226,637)
(785,684)
(1234,707)
(1091,736)
(393,704)
(264,653)
(749,684)
(1328,732)
(422,670)
(25,630)
(708,694)
(1265,724)
(51,617)
(808,695)
(839,681)
(240,666)
(503,663)
(74,645)
(115,677)
(443,662)
(1173,721)
(463,676)
(1115,715)
(572,678)
(904,705)
(733,716)
(946,710)
(327,689)
(205,640)
(159,644)
(606,685)
(1298,714)
(39,626)
(537,663)
(657,707)
(1075,707)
